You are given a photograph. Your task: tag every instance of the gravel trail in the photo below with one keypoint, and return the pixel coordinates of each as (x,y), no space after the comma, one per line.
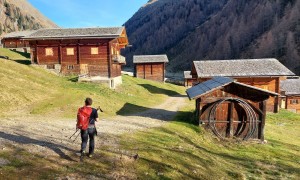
(49,136)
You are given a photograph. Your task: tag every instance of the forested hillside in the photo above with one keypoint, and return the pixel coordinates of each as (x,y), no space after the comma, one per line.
(19,15)
(190,30)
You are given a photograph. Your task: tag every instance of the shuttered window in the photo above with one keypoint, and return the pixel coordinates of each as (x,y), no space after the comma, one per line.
(294,101)
(49,51)
(94,50)
(70,51)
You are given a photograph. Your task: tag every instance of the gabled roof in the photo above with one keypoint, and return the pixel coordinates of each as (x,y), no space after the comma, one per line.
(217,83)
(241,67)
(18,34)
(290,86)
(187,75)
(104,32)
(150,58)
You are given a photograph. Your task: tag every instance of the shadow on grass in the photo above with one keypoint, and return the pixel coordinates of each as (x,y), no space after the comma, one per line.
(24,62)
(27,140)
(156,90)
(73,79)
(26,55)
(160,114)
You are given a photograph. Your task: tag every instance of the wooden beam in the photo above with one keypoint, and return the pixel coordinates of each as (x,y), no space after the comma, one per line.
(229,129)
(262,117)
(78,53)
(109,59)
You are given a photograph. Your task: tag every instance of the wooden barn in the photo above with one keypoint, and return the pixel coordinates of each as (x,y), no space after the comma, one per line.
(189,79)
(14,41)
(262,73)
(150,67)
(290,89)
(230,108)
(92,52)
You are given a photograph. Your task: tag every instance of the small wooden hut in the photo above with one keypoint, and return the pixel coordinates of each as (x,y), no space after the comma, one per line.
(230,108)
(262,73)
(150,67)
(290,89)
(188,79)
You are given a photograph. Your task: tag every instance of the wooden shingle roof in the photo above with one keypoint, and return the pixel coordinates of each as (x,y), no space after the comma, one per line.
(106,32)
(290,86)
(150,58)
(19,34)
(241,67)
(217,83)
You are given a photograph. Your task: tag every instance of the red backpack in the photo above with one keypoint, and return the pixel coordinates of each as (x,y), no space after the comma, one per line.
(83,117)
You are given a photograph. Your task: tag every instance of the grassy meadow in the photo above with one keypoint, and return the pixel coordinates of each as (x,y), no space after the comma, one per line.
(32,90)
(176,150)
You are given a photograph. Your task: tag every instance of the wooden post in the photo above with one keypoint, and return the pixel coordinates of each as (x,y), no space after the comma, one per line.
(36,52)
(59,54)
(262,118)
(229,129)
(144,71)
(109,59)
(78,53)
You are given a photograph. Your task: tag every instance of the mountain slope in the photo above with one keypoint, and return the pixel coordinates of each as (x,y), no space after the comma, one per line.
(190,30)
(18,15)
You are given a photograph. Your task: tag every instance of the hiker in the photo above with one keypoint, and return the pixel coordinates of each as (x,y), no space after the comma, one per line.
(88,129)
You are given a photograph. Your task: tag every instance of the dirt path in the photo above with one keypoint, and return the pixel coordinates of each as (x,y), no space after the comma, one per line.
(48,136)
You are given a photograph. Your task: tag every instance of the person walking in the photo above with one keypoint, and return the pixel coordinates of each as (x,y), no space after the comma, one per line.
(88,128)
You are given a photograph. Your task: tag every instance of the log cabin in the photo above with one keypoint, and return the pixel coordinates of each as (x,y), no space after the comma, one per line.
(188,79)
(14,41)
(262,73)
(230,108)
(92,53)
(150,67)
(290,89)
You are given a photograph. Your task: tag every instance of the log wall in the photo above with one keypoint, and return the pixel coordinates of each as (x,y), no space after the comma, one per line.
(151,71)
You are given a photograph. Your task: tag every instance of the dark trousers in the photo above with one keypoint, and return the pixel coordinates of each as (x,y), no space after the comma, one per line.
(85,135)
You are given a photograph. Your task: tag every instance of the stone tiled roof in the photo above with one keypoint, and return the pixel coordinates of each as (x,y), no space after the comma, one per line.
(241,67)
(290,86)
(19,34)
(150,58)
(187,74)
(76,32)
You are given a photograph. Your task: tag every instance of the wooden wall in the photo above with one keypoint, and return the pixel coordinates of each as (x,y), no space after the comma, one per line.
(151,71)
(295,107)
(267,83)
(14,43)
(96,64)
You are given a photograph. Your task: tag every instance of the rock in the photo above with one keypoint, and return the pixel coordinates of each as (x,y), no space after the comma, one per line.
(4,162)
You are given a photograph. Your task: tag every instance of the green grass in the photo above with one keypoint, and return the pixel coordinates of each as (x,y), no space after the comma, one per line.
(33,90)
(181,150)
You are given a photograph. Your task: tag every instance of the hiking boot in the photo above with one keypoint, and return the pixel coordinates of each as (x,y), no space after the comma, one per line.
(81,156)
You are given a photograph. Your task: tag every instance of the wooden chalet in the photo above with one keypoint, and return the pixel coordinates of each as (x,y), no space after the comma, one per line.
(90,52)
(230,108)
(14,41)
(290,89)
(262,73)
(150,67)
(188,79)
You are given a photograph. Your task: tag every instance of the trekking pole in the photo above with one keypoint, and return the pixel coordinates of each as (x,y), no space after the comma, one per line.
(76,137)
(74,133)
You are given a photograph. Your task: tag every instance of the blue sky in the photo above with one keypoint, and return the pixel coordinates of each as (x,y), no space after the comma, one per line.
(88,13)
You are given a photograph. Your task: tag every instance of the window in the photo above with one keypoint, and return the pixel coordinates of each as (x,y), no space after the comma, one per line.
(294,101)
(70,67)
(49,51)
(265,87)
(94,50)
(70,51)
